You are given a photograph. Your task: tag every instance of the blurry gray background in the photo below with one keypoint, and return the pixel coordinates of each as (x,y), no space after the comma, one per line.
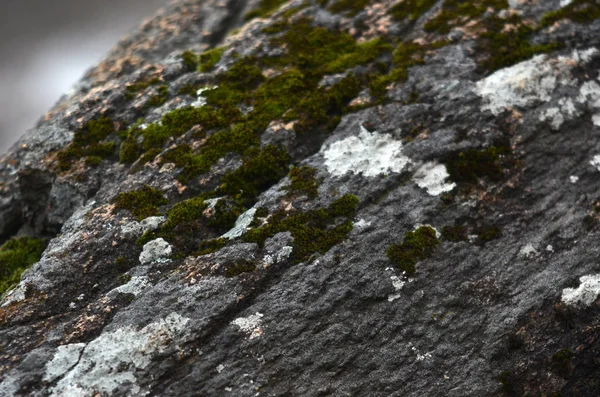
(47,45)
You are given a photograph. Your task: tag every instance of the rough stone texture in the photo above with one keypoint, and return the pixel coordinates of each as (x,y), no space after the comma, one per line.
(484,315)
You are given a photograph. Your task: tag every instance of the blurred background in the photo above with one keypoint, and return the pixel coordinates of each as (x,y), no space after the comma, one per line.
(46,47)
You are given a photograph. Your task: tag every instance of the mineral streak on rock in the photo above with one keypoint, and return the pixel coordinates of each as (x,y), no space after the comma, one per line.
(314,197)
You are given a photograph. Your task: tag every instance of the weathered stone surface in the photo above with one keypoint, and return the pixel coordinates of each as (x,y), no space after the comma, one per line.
(316,213)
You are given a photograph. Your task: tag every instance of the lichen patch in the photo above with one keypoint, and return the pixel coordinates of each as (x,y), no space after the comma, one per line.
(241,224)
(432,177)
(114,358)
(250,325)
(584,295)
(369,154)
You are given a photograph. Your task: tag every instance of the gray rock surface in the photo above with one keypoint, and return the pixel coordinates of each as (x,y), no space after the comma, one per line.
(247,283)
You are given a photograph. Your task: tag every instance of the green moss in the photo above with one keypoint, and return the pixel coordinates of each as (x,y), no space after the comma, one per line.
(459,12)
(160,98)
(313,231)
(471,164)
(244,75)
(185,217)
(190,60)
(130,151)
(506,47)
(303,181)
(454,233)
(260,170)
(210,246)
(351,7)
(411,9)
(488,233)
(265,8)
(238,267)
(317,51)
(561,362)
(142,203)
(208,59)
(16,255)
(88,141)
(133,89)
(93,161)
(579,11)
(416,246)
(226,213)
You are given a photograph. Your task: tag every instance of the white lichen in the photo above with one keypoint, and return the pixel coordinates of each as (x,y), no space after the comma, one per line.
(65,358)
(369,154)
(241,224)
(361,225)
(432,177)
(200,100)
(595,161)
(532,82)
(114,358)
(250,325)
(135,228)
(573,179)
(397,283)
(584,295)
(284,253)
(157,250)
(135,286)
(528,251)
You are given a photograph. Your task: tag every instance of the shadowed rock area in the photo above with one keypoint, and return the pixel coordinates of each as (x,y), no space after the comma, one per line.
(314,198)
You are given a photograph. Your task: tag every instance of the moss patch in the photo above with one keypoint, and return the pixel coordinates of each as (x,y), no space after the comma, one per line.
(455,233)
(16,255)
(265,8)
(142,203)
(416,246)
(469,165)
(132,89)
(458,12)
(411,9)
(579,11)
(239,267)
(160,98)
(313,231)
(208,59)
(90,140)
(303,182)
(351,7)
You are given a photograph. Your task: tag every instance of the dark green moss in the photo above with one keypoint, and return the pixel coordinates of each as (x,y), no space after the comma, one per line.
(454,233)
(303,182)
(160,98)
(130,151)
(459,12)
(208,59)
(265,8)
(317,51)
(93,161)
(351,7)
(185,217)
(190,60)
(210,246)
(469,165)
(579,11)
(238,267)
(411,9)
(16,255)
(142,203)
(488,233)
(244,75)
(133,89)
(88,141)
(226,213)
(506,47)
(313,231)
(561,362)
(416,246)
(260,170)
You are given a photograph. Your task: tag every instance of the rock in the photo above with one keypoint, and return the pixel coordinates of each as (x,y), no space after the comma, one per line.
(316,198)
